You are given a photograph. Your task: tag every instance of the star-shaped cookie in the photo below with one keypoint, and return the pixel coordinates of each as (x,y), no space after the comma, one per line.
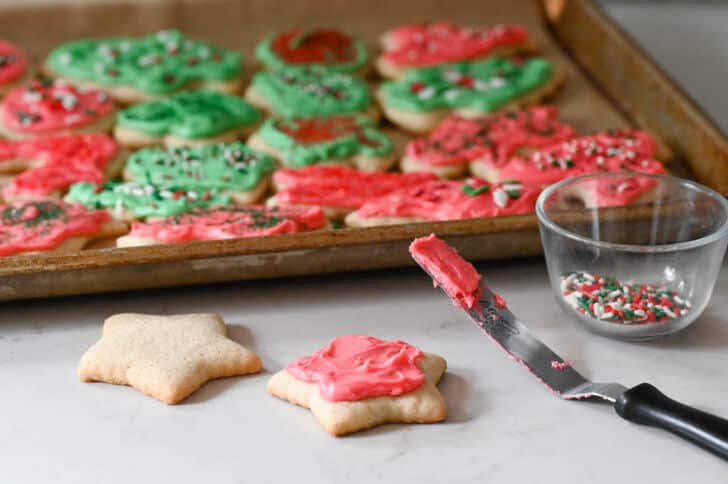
(166,357)
(424,404)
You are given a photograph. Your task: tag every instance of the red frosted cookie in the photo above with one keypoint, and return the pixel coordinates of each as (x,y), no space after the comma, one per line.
(337,190)
(622,150)
(439,200)
(50,225)
(225,222)
(41,108)
(458,142)
(13,66)
(50,165)
(422,45)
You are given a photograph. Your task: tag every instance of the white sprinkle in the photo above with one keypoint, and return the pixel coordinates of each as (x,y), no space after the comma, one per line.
(500,197)
(426,93)
(497,82)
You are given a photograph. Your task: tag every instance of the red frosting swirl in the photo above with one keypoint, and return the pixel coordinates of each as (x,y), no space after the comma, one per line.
(441,200)
(63,160)
(335,186)
(493,139)
(13,63)
(609,151)
(318,46)
(42,107)
(437,43)
(219,223)
(43,225)
(356,367)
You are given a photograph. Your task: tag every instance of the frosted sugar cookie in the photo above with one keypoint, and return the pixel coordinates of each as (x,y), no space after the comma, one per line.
(331,49)
(54,107)
(338,140)
(189,118)
(356,382)
(147,68)
(45,167)
(424,97)
(232,168)
(52,226)
(13,66)
(423,45)
(458,143)
(220,223)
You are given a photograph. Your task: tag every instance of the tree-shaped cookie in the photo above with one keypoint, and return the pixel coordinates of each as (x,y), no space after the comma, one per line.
(141,69)
(52,225)
(309,92)
(332,49)
(423,45)
(224,222)
(189,118)
(43,168)
(424,97)
(346,140)
(232,168)
(458,143)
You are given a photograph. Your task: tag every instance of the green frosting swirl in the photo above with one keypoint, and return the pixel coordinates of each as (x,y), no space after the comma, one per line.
(142,199)
(231,167)
(341,138)
(312,92)
(157,64)
(482,86)
(190,114)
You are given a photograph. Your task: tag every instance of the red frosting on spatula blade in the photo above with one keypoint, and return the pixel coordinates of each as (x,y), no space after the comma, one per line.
(457,277)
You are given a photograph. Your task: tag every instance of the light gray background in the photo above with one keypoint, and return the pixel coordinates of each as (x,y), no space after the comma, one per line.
(503,426)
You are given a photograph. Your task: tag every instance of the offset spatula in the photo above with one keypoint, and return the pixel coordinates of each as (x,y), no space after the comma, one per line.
(642,404)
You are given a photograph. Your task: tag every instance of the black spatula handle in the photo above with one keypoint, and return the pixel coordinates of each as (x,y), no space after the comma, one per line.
(646,405)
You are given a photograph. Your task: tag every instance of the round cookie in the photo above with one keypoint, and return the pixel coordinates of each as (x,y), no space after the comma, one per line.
(220,223)
(147,68)
(423,45)
(458,143)
(311,92)
(13,67)
(338,140)
(424,97)
(189,118)
(331,49)
(43,168)
(54,107)
(441,200)
(52,226)
(232,168)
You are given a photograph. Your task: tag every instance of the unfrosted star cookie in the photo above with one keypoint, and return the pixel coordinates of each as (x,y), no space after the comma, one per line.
(331,49)
(440,200)
(338,140)
(232,168)
(224,222)
(54,107)
(51,225)
(45,167)
(139,200)
(13,66)
(165,357)
(189,118)
(619,150)
(338,190)
(423,45)
(458,143)
(356,382)
(311,92)
(147,68)
(424,97)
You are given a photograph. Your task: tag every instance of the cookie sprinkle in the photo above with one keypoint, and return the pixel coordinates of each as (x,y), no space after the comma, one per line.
(607,299)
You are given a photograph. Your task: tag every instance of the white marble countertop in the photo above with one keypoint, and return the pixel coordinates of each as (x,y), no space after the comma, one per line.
(504,427)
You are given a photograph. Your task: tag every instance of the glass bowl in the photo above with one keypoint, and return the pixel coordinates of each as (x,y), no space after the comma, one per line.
(632,256)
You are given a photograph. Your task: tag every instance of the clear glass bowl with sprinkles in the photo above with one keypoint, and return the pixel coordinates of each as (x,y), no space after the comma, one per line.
(632,256)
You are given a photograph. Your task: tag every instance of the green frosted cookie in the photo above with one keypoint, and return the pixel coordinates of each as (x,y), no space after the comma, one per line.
(144,200)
